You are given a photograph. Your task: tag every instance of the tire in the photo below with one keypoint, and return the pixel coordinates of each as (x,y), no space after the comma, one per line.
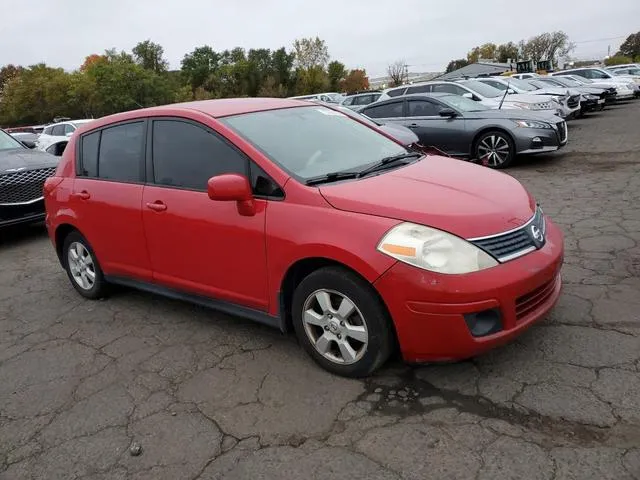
(353,316)
(499,145)
(89,286)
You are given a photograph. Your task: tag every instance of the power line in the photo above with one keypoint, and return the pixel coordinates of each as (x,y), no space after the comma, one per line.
(601,39)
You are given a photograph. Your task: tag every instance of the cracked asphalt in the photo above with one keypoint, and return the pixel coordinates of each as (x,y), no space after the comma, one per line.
(209,396)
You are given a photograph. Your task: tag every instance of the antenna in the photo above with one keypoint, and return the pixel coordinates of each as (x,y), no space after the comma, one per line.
(506,92)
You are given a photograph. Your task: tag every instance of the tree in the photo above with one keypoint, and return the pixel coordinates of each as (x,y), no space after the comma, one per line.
(7,73)
(546,46)
(337,73)
(282,66)
(631,46)
(507,51)
(355,81)
(272,89)
(149,56)
(456,64)
(310,52)
(396,72)
(198,65)
(311,80)
(618,60)
(90,60)
(486,52)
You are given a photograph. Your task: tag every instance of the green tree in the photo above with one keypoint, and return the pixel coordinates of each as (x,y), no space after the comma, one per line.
(198,66)
(7,73)
(456,64)
(258,69)
(336,72)
(311,80)
(546,46)
(149,56)
(487,52)
(272,89)
(507,51)
(310,53)
(631,47)
(282,66)
(618,60)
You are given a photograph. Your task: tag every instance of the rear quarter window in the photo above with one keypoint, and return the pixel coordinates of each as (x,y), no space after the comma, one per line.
(89,154)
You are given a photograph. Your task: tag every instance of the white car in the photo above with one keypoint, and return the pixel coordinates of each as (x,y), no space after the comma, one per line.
(524,76)
(486,95)
(568,100)
(600,74)
(328,97)
(624,91)
(57,132)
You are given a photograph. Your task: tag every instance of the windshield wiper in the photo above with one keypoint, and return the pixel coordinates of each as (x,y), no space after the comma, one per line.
(386,161)
(331,177)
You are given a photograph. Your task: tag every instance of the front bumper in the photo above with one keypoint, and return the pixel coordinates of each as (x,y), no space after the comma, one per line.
(25,213)
(540,140)
(429,309)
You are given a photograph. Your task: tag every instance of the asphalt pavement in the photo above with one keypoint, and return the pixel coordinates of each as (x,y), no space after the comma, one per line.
(141,387)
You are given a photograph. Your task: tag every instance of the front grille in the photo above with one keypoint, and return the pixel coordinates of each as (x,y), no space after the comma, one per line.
(532,300)
(562,131)
(573,101)
(543,106)
(514,243)
(23,187)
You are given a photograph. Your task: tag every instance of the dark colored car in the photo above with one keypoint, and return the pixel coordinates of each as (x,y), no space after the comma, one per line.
(592,99)
(464,128)
(22,176)
(302,218)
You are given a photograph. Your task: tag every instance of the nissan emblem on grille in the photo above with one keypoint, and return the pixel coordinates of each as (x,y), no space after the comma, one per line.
(537,235)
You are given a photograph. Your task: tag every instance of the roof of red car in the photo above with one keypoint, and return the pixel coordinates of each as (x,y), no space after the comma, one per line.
(234,106)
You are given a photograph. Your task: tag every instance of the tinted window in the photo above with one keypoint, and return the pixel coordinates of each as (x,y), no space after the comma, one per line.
(68,129)
(419,89)
(120,155)
(89,154)
(186,155)
(388,110)
(363,100)
(422,108)
(58,131)
(262,184)
(348,101)
(449,88)
(396,93)
(48,131)
(498,85)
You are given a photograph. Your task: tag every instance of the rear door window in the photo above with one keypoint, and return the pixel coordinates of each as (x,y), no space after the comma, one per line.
(419,89)
(422,108)
(397,92)
(121,150)
(186,155)
(389,110)
(68,128)
(449,88)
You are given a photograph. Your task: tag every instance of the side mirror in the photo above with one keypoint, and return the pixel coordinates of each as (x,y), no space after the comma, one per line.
(468,95)
(231,187)
(28,144)
(448,112)
(511,91)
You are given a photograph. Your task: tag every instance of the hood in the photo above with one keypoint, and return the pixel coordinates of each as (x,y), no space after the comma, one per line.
(25,159)
(400,133)
(515,114)
(526,98)
(459,197)
(592,90)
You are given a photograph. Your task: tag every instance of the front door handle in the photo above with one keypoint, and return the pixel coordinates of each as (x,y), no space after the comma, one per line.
(157,206)
(83,195)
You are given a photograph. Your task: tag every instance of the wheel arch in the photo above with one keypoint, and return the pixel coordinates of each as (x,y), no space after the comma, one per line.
(487,129)
(61,232)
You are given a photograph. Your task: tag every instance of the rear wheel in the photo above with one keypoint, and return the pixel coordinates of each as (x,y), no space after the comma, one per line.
(82,267)
(341,322)
(496,148)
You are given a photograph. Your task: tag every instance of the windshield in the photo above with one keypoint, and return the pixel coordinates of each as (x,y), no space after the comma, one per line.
(563,81)
(483,89)
(359,116)
(521,84)
(335,97)
(627,71)
(313,141)
(462,103)
(7,142)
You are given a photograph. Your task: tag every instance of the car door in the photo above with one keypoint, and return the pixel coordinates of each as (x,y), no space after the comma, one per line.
(445,133)
(106,197)
(195,244)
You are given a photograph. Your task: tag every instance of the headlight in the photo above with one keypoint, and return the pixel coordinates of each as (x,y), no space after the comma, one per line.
(434,250)
(590,97)
(531,124)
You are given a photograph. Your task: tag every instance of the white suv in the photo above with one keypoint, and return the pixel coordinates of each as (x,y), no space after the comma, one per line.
(57,132)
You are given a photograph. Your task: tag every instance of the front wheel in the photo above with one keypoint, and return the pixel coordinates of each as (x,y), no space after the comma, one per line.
(341,322)
(496,148)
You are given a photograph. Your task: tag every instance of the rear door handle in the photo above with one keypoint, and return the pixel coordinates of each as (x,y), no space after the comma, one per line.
(157,206)
(83,195)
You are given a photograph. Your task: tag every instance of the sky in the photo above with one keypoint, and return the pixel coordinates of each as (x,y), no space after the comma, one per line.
(368,34)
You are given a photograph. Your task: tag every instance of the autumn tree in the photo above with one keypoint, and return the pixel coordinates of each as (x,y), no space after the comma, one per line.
(149,56)
(631,47)
(90,60)
(336,72)
(396,72)
(486,52)
(356,80)
(7,73)
(507,51)
(546,46)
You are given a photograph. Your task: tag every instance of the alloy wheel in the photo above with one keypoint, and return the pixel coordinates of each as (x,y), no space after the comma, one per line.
(81,266)
(495,148)
(335,326)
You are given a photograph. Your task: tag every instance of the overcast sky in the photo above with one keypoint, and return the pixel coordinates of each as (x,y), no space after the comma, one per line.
(360,33)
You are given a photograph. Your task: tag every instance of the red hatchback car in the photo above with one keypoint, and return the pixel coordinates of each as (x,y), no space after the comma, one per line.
(298,216)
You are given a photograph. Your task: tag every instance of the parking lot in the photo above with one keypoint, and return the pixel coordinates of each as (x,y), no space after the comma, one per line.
(142,387)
